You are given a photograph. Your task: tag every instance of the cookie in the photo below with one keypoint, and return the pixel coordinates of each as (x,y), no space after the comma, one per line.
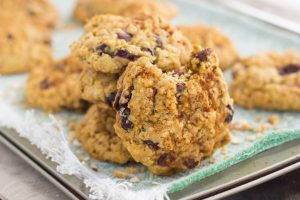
(211,37)
(23,47)
(38,12)
(25,38)
(55,87)
(86,9)
(98,138)
(110,43)
(268,81)
(170,121)
(98,87)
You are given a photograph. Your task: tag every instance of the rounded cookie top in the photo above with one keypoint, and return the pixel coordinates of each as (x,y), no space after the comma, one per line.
(171,121)
(261,81)
(110,43)
(56,86)
(23,47)
(39,12)
(212,38)
(86,9)
(98,87)
(98,138)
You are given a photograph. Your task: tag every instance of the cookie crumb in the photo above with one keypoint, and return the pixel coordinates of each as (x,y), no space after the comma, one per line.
(94,167)
(273,120)
(258,118)
(235,140)
(262,128)
(212,160)
(72,125)
(240,126)
(134,170)
(83,158)
(224,150)
(121,174)
(134,179)
(250,138)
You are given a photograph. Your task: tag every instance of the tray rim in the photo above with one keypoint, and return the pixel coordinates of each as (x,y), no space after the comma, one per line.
(288,164)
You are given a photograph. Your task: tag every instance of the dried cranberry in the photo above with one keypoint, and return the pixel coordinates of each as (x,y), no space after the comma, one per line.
(289,69)
(125,36)
(110,99)
(159,42)
(190,163)
(229,117)
(180,87)
(116,103)
(102,48)
(10,36)
(203,55)
(165,158)
(149,50)
(45,84)
(123,53)
(151,145)
(125,122)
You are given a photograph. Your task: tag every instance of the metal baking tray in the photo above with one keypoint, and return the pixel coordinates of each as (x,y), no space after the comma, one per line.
(256,170)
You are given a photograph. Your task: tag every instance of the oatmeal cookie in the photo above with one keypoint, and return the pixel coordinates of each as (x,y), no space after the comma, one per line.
(211,37)
(268,81)
(98,138)
(170,121)
(55,87)
(23,47)
(98,87)
(38,12)
(86,9)
(111,42)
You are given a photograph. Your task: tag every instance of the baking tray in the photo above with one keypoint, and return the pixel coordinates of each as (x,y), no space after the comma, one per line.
(251,172)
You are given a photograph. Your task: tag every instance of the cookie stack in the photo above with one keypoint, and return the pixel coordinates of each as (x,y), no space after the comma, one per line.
(168,101)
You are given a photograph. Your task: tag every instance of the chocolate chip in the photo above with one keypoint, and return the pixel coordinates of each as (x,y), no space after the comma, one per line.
(102,48)
(45,84)
(149,50)
(123,53)
(125,36)
(110,99)
(180,87)
(10,36)
(165,158)
(229,117)
(151,145)
(47,42)
(203,55)
(190,163)
(289,69)
(159,42)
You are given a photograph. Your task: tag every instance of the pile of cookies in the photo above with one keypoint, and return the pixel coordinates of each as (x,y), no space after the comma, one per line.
(157,99)
(153,93)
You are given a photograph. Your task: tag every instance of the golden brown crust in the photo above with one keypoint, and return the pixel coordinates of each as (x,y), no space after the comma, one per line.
(268,81)
(168,121)
(98,138)
(56,86)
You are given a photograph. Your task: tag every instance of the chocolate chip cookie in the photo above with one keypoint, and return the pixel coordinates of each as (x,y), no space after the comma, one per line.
(98,87)
(170,121)
(211,37)
(98,138)
(268,81)
(110,43)
(86,9)
(56,86)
